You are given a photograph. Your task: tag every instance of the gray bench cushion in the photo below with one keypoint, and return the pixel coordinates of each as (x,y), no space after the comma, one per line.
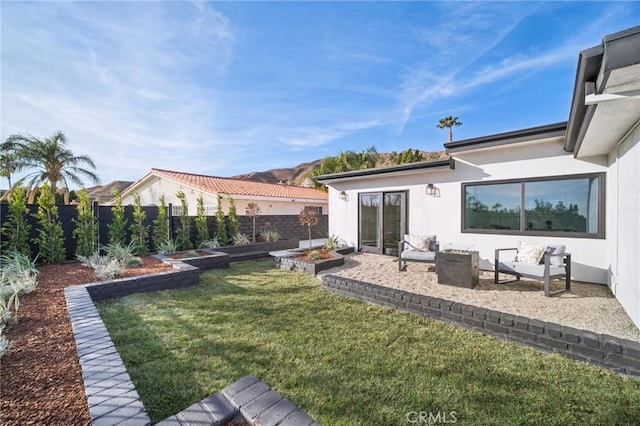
(418,255)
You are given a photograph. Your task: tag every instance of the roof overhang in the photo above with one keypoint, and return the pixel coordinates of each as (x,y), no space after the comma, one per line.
(529,135)
(606,98)
(397,170)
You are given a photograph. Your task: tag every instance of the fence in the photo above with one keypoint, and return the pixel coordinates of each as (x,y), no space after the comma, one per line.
(288,226)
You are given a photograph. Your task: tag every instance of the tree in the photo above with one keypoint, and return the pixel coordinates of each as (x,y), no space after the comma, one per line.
(253,210)
(309,217)
(221,226)
(52,160)
(232,218)
(118,226)
(16,228)
(139,232)
(50,239)
(407,156)
(161,225)
(9,163)
(449,122)
(86,231)
(344,162)
(183,237)
(202,228)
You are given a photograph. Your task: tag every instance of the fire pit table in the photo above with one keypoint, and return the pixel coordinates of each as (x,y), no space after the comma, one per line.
(458,267)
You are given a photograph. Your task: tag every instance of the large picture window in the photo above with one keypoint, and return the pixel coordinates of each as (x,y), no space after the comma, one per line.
(568,206)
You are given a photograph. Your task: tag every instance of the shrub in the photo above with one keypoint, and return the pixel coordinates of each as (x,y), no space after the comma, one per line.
(269,233)
(94,259)
(183,236)
(118,226)
(167,246)
(17,277)
(139,232)
(332,243)
(210,244)
(160,225)
(111,269)
(16,228)
(120,252)
(232,218)
(313,255)
(240,239)
(134,262)
(202,228)
(221,226)
(50,239)
(253,210)
(86,231)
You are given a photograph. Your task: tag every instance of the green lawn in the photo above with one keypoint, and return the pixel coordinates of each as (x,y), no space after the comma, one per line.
(346,362)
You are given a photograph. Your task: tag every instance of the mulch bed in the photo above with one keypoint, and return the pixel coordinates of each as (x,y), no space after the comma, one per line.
(323,255)
(41,381)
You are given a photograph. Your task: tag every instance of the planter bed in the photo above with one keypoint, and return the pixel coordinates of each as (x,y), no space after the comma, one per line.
(289,260)
(206,259)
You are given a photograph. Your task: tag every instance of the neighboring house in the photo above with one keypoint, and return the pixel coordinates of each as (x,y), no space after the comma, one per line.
(575,183)
(273,199)
(103,194)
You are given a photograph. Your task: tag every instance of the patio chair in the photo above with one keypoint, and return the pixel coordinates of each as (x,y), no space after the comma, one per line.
(541,263)
(417,248)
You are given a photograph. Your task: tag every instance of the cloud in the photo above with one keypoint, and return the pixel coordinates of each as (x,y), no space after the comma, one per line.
(316,136)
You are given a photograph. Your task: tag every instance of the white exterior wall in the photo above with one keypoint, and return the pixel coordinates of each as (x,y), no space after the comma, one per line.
(151,190)
(623,219)
(442,215)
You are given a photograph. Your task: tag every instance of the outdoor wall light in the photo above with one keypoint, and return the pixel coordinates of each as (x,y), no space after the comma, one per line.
(431,190)
(343,196)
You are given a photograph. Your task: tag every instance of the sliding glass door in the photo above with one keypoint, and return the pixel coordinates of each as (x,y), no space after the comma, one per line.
(382,221)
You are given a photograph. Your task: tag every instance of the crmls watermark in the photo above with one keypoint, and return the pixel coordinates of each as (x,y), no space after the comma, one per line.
(429,417)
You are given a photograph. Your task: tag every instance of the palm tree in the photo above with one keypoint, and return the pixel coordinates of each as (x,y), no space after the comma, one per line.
(53,161)
(449,122)
(9,163)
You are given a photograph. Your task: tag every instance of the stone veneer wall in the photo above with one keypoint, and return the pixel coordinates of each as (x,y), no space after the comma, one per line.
(620,355)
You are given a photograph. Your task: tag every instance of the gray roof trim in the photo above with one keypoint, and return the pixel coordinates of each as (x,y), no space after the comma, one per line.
(516,136)
(448,163)
(617,50)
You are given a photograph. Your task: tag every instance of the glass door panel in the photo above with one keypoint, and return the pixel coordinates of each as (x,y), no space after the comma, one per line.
(393,215)
(370,214)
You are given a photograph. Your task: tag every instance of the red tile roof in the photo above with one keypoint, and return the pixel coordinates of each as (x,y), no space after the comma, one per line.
(214,184)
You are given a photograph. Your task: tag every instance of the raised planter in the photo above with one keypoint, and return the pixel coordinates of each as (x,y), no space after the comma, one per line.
(206,259)
(287,260)
(265,247)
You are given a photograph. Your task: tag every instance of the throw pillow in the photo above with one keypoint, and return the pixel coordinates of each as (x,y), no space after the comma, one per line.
(530,253)
(419,242)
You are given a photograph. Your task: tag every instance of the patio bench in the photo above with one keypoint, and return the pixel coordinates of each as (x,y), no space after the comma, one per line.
(417,248)
(554,262)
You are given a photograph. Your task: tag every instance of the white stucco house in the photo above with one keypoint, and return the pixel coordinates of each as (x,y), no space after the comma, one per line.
(273,199)
(575,183)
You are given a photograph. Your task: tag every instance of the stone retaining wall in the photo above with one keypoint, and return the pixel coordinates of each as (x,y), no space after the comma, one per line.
(620,355)
(111,396)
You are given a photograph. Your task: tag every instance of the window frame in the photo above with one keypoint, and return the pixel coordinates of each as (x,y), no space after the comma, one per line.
(600,234)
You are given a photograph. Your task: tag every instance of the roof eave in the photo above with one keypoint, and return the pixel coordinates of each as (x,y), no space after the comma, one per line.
(508,138)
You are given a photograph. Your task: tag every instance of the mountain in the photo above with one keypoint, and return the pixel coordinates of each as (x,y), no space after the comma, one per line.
(296,175)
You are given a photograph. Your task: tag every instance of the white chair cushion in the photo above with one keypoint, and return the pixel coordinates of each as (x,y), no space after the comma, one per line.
(421,242)
(527,269)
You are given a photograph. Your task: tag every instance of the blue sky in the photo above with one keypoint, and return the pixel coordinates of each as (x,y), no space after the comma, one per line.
(224,88)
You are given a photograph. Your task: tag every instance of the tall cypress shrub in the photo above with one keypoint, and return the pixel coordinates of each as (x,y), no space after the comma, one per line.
(161,225)
(50,239)
(183,237)
(16,228)
(139,232)
(86,230)
(221,226)
(201,223)
(118,226)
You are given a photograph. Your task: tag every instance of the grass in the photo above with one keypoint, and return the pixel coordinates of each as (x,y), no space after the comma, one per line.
(345,362)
